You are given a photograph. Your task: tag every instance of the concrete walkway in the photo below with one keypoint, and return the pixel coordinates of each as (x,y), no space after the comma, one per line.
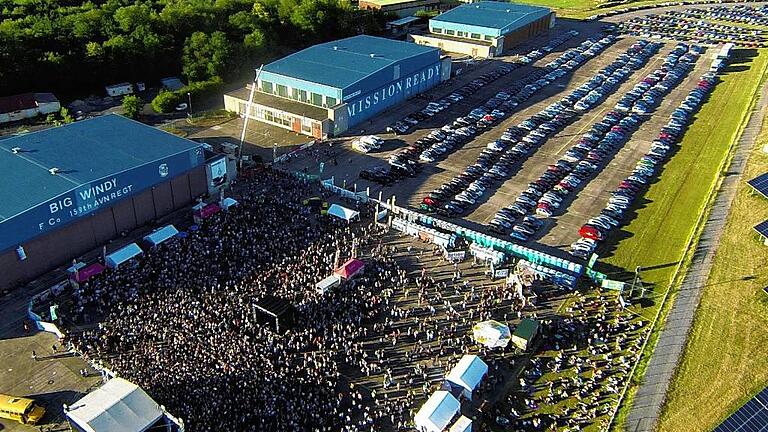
(651,395)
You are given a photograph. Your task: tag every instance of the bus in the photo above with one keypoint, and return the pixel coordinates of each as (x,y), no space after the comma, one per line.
(23,410)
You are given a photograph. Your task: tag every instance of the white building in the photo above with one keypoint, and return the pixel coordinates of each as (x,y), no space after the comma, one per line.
(27,105)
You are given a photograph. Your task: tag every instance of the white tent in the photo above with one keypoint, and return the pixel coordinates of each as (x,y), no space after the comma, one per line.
(228,202)
(331,281)
(160,235)
(342,212)
(463,424)
(468,374)
(122,255)
(118,406)
(437,412)
(492,334)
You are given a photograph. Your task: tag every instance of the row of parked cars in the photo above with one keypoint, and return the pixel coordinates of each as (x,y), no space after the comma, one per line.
(614,214)
(672,26)
(548,193)
(504,102)
(406,123)
(495,162)
(553,119)
(745,14)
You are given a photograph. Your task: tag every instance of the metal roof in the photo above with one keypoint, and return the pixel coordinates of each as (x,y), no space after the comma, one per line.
(491,14)
(343,62)
(403,21)
(9,104)
(83,151)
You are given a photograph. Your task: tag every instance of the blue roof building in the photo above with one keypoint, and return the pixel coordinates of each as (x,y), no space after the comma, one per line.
(486,28)
(488,17)
(350,79)
(68,189)
(69,171)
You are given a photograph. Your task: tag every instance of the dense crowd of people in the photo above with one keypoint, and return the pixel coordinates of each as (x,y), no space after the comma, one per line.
(183,324)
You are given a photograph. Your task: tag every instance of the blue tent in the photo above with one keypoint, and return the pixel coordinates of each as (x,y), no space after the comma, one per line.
(122,255)
(160,235)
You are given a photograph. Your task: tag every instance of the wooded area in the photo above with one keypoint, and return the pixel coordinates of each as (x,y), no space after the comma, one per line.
(74,46)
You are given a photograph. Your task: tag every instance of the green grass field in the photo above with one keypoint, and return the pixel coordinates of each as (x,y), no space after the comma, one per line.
(657,237)
(726,359)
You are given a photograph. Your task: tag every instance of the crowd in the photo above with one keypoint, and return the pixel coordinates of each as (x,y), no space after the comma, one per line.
(182,321)
(586,358)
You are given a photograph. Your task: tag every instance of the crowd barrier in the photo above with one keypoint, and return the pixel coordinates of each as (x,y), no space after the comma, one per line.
(564,271)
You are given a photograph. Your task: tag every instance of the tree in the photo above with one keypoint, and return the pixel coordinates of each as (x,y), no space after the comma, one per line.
(205,56)
(165,101)
(66,117)
(132,106)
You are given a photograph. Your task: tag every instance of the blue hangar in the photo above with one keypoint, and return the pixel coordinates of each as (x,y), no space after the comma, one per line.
(70,189)
(326,89)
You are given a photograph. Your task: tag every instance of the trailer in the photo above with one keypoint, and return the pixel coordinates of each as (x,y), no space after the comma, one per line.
(120,89)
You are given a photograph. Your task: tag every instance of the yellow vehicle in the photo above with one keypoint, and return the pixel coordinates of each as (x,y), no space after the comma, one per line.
(23,410)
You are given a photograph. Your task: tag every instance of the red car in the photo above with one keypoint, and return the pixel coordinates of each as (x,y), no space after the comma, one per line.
(590,232)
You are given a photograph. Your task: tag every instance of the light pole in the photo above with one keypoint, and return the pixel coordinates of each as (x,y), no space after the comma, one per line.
(274,152)
(189,106)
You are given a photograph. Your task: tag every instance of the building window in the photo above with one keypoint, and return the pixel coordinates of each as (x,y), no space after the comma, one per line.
(475,35)
(450,32)
(330,101)
(282,90)
(488,37)
(303,96)
(266,87)
(437,30)
(460,33)
(316,99)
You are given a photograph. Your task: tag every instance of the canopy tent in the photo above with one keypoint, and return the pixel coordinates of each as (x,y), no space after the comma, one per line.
(160,235)
(343,212)
(349,269)
(437,412)
(463,424)
(118,406)
(229,202)
(122,255)
(525,332)
(331,281)
(492,334)
(208,211)
(87,272)
(76,265)
(467,374)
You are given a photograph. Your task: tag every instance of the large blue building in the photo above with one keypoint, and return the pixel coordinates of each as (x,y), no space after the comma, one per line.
(69,189)
(328,88)
(486,28)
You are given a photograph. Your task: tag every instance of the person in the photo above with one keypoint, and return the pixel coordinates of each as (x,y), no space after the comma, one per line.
(34,355)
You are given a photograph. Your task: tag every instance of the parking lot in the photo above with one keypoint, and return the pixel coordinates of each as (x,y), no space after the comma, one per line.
(560,230)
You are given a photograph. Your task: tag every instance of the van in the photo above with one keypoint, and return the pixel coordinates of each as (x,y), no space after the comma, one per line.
(22,410)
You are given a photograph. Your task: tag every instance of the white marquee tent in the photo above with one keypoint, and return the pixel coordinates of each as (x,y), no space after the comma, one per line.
(437,412)
(343,212)
(122,255)
(492,334)
(468,374)
(160,235)
(118,406)
(463,424)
